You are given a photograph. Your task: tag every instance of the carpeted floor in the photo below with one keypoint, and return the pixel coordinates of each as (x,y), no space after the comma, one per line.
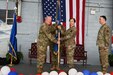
(27,69)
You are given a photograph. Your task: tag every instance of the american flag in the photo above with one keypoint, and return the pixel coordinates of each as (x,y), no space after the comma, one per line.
(69,9)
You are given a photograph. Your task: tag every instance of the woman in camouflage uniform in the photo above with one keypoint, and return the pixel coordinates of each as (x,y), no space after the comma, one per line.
(70,43)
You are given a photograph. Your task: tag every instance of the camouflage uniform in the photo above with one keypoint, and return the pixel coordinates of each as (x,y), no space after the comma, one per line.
(103,42)
(44,39)
(70,44)
(55,57)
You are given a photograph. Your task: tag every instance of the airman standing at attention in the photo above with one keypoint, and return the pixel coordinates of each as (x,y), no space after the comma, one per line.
(103,42)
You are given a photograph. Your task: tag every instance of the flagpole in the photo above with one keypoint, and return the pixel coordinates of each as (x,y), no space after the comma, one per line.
(19,7)
(11,61)
(58,49)
(58,3)
(6,10)
(11,56)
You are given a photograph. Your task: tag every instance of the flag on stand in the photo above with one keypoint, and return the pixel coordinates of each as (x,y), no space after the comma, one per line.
(58,13)
(69,9)
(58,22)
(13,40)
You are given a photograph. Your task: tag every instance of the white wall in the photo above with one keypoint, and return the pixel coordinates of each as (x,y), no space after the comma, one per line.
(3,3)
(28,29)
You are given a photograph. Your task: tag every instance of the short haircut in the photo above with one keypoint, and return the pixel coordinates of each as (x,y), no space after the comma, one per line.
(73,19)
(104,17)
(47,17)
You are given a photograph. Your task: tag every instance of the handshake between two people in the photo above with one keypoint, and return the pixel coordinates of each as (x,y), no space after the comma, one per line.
(59,27)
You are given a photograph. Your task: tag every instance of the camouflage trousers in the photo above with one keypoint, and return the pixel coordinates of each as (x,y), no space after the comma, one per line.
(41,54)
(54,59)
(70,56)
(103,53)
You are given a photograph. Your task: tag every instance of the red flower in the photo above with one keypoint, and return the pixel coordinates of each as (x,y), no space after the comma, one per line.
(19,19)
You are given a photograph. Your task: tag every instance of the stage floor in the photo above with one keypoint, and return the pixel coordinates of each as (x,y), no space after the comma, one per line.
(28,69)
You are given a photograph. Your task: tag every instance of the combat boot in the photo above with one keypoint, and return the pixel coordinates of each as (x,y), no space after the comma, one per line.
(40,69)
(57,68)
(71,66)
(53,67)
(104,71)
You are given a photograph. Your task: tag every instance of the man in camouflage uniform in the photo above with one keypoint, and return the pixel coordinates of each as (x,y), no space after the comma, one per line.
(103,42)
(44,39)
(70,43)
